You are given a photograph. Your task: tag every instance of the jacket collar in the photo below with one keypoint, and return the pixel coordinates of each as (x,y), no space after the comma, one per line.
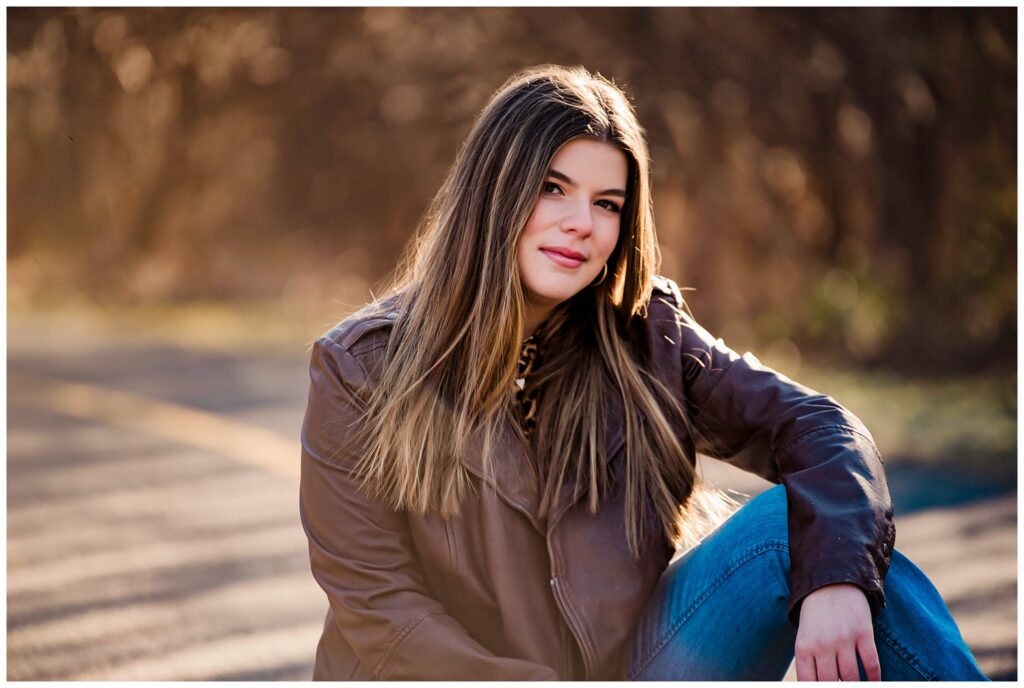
(512,475)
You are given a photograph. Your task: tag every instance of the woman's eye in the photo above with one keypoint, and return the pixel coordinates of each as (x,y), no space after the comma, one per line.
(610,205)
(551,187)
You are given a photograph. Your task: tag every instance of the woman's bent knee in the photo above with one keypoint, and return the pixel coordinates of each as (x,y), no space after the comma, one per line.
(764,519)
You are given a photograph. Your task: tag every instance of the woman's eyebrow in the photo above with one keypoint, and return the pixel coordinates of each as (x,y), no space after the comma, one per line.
(565,178)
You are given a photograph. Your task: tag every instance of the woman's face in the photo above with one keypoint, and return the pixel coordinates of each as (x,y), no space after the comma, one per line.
(574,227)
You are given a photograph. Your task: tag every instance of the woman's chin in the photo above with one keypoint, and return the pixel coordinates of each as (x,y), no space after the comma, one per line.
(555,295)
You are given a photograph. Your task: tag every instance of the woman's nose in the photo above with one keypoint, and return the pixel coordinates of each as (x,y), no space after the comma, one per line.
(578,218)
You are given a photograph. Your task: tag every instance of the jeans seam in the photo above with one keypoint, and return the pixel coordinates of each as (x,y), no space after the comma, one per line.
(742,559)
(908,656)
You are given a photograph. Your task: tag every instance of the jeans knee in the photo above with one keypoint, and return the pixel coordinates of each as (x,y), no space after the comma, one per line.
(758,536)
(764,518)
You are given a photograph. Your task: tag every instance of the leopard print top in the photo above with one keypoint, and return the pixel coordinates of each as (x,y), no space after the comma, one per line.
(526,395)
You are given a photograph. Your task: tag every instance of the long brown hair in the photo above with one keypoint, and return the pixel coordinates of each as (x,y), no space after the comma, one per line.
(451,359)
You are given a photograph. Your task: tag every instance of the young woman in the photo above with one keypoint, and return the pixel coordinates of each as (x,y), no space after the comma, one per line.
(498,455)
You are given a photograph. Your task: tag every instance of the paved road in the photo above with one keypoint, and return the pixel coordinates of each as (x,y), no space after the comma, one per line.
(153,531)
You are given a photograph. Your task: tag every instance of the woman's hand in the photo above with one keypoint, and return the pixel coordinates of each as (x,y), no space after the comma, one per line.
(835,627)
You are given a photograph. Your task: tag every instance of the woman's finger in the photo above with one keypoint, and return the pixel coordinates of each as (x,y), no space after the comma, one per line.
(847,660)
(805,667)
(869,657)
(825,665)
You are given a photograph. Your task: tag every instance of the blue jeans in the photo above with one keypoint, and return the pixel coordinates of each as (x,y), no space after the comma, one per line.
(719,612)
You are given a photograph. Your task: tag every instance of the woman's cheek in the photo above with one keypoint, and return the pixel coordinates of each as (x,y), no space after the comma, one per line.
(611,241)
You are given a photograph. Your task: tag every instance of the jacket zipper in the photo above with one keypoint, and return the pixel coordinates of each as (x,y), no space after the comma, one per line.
(572,628)
(554,586)
(558,600)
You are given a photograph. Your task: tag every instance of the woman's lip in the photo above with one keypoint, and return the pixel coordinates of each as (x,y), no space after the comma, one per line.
(564,261)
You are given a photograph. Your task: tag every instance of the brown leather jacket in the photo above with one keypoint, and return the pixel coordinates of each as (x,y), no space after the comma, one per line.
(493,594)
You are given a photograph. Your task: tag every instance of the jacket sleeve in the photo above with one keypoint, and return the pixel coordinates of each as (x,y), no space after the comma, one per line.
(362,556)
(841,526)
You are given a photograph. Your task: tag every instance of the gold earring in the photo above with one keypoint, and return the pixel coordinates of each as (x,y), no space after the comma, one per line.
(604,273)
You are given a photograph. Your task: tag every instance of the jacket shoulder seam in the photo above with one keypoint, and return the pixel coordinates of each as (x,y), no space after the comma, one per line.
(362,331)
(346,337)
(339,350)
(372,346)
(348,332)
(668,287)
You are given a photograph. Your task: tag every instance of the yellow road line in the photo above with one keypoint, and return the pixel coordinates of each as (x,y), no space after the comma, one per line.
(244,442)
